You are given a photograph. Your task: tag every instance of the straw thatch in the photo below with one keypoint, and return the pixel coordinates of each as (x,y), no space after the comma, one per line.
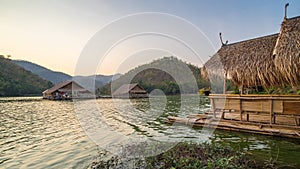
(67,90)
(130,91)
(287,51)
(247,63)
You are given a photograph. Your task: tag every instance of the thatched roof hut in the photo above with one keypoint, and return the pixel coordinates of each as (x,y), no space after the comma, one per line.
(247,63)
(67,90)
(287,51)
(272,60)
(130,91)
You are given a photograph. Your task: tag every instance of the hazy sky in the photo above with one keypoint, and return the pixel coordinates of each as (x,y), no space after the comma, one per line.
(54,33)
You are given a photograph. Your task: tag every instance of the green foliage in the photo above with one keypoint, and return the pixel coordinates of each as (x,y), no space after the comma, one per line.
(193,155)
(52,76)
(298,91)
(273,90)
(16,81)
(204,91)
(156,75)
(187,155)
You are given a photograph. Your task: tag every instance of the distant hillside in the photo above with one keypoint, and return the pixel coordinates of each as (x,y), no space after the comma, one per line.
(52,76)
(16,81)
(99,80)
(151,76)
(57,77)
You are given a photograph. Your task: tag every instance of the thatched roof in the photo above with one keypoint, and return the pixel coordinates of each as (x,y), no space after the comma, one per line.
(287,51)
(247,63)
(126,88)
(62,85)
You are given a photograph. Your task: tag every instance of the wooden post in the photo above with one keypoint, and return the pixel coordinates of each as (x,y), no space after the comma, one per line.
(285,10)
(213,108)
(241,109)
(241,89)
(296,121)
(224,84)
(223,114)
(272,119)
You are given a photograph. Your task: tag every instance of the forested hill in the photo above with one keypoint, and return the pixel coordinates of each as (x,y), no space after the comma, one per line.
(57,77)
(154,76)
(16,81)
(52,76)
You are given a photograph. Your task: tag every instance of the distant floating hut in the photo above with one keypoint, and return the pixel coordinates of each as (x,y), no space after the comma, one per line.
(66,90)
(130,91)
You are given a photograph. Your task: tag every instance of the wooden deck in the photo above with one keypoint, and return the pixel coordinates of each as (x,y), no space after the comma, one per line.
(264,114)
(273,105)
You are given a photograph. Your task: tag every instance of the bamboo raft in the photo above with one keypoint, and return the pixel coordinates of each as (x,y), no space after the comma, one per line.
(262,114)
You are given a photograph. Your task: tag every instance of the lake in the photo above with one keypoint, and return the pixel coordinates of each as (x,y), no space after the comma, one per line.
(37,133)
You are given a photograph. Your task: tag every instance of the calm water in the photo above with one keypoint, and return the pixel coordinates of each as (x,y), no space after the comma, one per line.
(36,133)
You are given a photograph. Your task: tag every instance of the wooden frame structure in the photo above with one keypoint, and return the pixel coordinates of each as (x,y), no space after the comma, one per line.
(274,105)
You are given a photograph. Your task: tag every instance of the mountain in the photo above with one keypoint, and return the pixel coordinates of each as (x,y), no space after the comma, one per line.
(57,77)
(168,74)
(16,81)
(88,82)
(52,76)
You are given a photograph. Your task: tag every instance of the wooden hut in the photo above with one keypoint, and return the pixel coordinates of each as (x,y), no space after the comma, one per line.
(272,60)
(66,90)
(130,91)
(248,63)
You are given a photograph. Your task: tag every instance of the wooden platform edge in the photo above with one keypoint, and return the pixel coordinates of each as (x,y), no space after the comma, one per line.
(239,126)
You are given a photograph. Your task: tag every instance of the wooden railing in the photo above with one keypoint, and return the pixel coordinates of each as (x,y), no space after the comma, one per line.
(288,105)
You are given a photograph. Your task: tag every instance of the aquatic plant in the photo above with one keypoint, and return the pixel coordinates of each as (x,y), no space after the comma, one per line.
(184,155)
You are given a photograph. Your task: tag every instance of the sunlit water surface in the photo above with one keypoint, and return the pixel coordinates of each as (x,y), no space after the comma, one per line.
(36,133)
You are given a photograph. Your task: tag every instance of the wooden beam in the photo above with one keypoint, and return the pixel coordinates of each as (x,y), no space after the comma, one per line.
(241,109)
(224,84)
(272,120)
(213,108)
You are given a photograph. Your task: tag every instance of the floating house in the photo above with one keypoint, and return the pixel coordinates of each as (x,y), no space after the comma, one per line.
(130,91)
(268,61)
(67,90)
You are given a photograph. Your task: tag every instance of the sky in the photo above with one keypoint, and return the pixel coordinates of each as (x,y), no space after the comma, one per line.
(60,34)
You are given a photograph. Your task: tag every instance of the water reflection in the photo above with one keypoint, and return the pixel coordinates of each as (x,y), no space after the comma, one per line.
(36,133)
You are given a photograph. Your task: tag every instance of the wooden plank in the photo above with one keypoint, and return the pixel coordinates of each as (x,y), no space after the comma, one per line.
(257,97)
(266,129)
(277,106)
(227,104)
(219,103)
(291,107)
(232,104)
(256,105)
